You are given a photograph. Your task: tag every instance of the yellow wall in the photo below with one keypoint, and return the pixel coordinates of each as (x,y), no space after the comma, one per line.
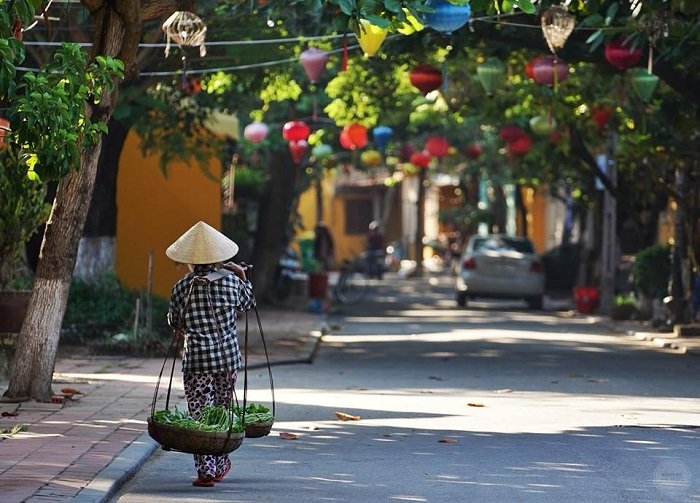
(346,246)
(535,201)
(153,211)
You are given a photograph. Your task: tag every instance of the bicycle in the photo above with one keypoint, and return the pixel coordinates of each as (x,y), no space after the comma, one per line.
(353,281)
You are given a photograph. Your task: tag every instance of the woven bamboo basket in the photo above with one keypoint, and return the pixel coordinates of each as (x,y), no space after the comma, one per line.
(257,430)
(175,438)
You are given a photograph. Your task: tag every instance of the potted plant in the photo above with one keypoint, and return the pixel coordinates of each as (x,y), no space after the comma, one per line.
(22,211)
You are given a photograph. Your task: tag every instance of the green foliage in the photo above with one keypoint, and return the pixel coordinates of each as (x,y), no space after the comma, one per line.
(651,271)
(22,212)
(49,117)
(105,306)
(624,308)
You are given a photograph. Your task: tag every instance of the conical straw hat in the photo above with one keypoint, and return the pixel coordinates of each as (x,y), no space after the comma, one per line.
(201,244)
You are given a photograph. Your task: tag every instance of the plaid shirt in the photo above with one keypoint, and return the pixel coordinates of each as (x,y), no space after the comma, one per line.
(209,349)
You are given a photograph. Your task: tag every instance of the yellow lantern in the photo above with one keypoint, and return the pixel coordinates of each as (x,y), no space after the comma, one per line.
(370,37)
(412,25)
(371,158)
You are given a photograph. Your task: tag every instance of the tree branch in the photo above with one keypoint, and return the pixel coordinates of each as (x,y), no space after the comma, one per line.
(579,149)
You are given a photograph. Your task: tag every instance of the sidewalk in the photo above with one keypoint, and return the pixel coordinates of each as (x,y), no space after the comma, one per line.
(84,449)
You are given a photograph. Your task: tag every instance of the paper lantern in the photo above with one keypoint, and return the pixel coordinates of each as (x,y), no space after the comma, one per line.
(406,151)
(510,133)
(223,124)
(520,146)
(186,29)
(256,132)
(426,78)
(412,25)
(601,115)
(550,70)
(446,17)
(4,129)
(542,125)
(322,152)
(557,24)
(491,73)
(621,55)
(371,158)
(644,84)
(314,62)
(382,136)
(530,67)
(420,159)
(370,37)
(474,151)
(354,135)
(298,150)
(437,146)
(296,131)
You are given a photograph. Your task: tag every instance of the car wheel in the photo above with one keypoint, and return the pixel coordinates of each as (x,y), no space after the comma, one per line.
(535,302)
(461,299)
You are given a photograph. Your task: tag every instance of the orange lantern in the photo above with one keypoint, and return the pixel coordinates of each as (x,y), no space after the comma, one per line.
(354,135)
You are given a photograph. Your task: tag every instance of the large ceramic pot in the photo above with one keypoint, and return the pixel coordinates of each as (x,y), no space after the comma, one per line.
(13,307)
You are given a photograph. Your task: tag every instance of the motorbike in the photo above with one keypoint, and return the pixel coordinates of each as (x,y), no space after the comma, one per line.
(289,270)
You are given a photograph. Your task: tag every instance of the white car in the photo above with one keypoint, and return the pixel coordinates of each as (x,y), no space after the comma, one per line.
(499,266)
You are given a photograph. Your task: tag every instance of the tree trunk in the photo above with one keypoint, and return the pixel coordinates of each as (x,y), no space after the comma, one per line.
(275,210)
(680,278)
(97,246)
(35,357)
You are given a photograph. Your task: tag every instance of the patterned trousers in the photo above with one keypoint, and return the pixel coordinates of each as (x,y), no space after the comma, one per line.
(209,389)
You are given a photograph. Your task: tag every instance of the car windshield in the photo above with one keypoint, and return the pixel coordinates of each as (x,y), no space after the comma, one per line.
(503,244)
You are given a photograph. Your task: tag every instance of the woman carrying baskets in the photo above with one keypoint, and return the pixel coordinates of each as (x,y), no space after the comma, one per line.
(203,307)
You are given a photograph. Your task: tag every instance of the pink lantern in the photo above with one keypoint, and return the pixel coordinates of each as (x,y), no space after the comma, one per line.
(549,70)
(437,146)
(510,133)
(314,62)
(295,131)
(421,159)
(620,55)
(256,132)
(354,135)
(298,150)
(520,146)
(530,67)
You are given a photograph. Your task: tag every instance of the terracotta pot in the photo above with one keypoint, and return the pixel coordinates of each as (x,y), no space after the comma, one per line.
(13,307)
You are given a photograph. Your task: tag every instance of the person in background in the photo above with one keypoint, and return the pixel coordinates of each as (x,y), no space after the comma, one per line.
(202,309)
(324,249)
(376,251)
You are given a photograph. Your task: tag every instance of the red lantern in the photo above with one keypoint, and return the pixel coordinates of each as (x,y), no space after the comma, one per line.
(298,150)
(4,128)
(474,151)
(601,116)
(426,78)
(520,146)
(510,133)
(530,67)
(295,131)
(549,70)
(354,135)
(314,62)
(620,55)
(421,159)
(437,146)
(191,86)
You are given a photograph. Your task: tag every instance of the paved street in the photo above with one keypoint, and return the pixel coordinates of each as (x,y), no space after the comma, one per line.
(493,403)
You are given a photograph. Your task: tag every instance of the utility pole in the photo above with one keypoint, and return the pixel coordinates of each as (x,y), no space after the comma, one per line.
(609,229)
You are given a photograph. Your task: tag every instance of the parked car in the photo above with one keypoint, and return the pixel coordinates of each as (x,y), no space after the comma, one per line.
(499,266)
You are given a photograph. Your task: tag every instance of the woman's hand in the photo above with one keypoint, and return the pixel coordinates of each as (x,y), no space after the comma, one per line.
(237,269)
